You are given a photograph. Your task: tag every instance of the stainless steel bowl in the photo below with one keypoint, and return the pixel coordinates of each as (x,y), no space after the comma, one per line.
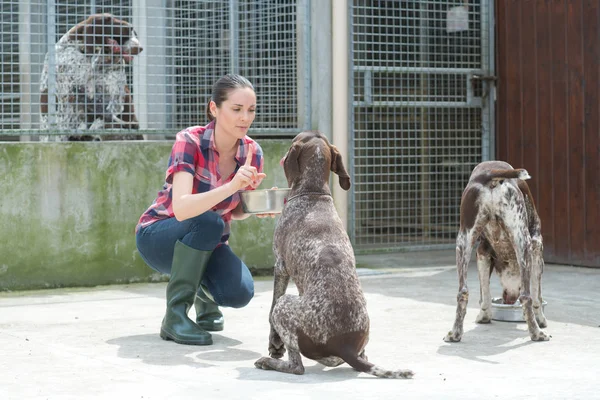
(509,312)
(265,201)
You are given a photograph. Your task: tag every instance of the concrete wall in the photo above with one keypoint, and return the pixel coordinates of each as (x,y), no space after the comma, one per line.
(68,212)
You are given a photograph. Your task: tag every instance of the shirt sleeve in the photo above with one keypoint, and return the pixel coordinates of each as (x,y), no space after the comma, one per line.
(184,156)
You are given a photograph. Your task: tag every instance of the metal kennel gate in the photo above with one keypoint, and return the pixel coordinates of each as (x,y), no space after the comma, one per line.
(421,77)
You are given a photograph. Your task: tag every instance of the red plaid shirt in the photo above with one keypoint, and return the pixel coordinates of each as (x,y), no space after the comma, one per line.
(194,152)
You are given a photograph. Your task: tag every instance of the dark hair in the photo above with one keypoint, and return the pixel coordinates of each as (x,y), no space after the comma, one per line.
(222,88)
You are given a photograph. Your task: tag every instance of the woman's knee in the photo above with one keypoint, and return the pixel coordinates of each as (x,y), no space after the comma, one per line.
(237,298)
(205,231)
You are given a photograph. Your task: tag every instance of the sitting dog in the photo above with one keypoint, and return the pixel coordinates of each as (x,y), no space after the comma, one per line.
(91,79)
(498,210)
(328,321)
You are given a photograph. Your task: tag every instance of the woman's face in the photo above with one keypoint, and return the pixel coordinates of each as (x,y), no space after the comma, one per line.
(237,113)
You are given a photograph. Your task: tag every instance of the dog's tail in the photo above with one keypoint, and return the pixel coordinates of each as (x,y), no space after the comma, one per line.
(496,175)
(363,365)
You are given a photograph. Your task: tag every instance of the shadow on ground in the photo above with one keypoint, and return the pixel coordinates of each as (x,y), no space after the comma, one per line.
(570,291)
(487,340)
(313,374)
(151,349)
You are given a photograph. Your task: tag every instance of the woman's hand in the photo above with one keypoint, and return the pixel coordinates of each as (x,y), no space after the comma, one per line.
(247,175)
(266,215)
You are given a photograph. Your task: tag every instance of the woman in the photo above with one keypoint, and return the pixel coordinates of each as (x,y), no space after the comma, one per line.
(184,233)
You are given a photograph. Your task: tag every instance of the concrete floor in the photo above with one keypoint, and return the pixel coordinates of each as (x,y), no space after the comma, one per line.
(103,343)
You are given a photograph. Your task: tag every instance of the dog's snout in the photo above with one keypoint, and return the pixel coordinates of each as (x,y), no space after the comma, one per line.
(134,46)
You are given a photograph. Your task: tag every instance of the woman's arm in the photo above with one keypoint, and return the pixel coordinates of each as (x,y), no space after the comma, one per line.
(238,213)
(187,205)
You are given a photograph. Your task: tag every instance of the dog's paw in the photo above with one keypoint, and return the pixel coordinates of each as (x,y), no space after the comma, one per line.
(276,351)
(453,337)
(540,318)
(262,363)
(541,336)
(276,346)
(484,317)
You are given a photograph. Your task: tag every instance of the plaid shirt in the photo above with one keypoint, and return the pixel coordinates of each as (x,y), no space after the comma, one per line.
(194,152)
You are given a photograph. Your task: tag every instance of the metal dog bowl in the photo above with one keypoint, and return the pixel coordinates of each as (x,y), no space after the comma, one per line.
(509,312)
(265,201)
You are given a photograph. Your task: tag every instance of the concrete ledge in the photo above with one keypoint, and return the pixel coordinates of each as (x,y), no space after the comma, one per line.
(69,211)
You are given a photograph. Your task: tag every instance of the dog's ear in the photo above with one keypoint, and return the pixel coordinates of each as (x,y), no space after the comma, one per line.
(291,165)
(337,166)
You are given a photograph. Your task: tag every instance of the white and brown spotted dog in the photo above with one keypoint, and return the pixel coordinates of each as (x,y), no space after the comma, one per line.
(498,210)
(91,62)
(328,321)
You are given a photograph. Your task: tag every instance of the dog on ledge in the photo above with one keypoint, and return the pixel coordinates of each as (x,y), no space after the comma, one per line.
(91,80)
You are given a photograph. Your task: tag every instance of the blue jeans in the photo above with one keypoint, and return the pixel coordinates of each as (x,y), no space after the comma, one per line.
(227,277)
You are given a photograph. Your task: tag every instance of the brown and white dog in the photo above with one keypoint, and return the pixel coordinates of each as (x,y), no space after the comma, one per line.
(498,210)
(91,79)
(328,321)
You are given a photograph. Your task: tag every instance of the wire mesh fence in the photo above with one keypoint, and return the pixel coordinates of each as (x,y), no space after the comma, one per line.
(69,70)
(420,119)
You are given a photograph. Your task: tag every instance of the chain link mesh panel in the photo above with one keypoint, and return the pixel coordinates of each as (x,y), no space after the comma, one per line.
(417,118)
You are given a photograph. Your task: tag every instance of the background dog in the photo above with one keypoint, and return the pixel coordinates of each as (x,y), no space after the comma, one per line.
(328,322)
(91,79)
(498,210)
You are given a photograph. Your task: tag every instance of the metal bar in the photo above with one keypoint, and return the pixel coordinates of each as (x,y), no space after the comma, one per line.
(475,103)
(405,248)
(368,89)
(419,70)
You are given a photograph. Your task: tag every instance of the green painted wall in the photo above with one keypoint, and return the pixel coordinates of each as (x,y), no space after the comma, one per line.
(68,212)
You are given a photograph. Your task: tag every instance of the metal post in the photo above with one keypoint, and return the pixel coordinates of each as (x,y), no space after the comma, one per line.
(351,206)
(488,120)
(303,70)
(321,66)
(341,103)
(51,39)
(234,37)
(25,34)
(425,167)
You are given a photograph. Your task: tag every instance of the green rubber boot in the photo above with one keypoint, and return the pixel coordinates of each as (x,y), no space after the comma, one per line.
(208,315)
(186,272)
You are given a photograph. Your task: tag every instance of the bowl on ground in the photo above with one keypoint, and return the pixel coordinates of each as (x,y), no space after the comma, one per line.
(509,312)
(264,201)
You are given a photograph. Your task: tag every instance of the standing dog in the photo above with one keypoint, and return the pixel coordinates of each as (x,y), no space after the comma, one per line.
(497,208)
(91,79)
(328,322)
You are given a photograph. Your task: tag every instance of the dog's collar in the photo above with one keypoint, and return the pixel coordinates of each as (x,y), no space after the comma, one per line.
(306,194)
